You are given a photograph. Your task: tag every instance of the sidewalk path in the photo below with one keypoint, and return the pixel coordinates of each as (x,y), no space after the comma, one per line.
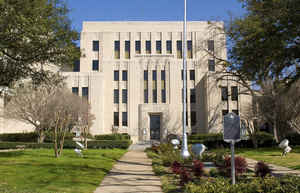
(276,170)
(131,174)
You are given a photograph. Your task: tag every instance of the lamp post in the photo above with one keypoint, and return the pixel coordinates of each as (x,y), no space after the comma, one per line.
(184,150)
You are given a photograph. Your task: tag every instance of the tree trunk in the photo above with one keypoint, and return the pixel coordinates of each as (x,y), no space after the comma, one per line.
(275,130)
(55,143)
(41,136)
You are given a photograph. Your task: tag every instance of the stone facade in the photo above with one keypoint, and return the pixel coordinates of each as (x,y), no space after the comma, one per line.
(132,70)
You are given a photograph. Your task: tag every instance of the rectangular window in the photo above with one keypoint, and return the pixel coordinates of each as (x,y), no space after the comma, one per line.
(117,49)
(124,96)
(182,74)
(116,75)
(138,47)
(85,92)
(158,47)
(127,49)
(95,65)
(189,49)
(193,118)
(95,45)
(116,118)
(234,93)
(76,66)
(211,65)
(148,47)
(169,46)
(224,93)
(75,90)
(154,75)
(192,74)
(163,95)
(154,91)
(193,95)
(145,74)
(146,96)
(179,49)
(163,79)
(116,96)
(211,45)
(124,75)
(124,119)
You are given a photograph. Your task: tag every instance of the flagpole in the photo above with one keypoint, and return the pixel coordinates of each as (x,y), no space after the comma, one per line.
(184,150)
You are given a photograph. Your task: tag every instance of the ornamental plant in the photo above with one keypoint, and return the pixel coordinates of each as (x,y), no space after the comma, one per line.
(261,169)
(240,166)
(198,168)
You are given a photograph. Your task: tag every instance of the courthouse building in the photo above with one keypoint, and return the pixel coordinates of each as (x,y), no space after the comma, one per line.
(131,73)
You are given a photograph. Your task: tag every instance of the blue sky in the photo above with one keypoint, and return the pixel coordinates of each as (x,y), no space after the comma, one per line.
(151,10)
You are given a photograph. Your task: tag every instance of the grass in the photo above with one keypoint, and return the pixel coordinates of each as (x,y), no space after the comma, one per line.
(39,171)
(273,156)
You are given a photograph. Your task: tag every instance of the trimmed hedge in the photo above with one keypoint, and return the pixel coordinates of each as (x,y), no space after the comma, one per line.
(99,144)
(215,140)
(116,136)
(20,137)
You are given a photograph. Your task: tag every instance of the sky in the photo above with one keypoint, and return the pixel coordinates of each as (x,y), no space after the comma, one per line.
(151,10)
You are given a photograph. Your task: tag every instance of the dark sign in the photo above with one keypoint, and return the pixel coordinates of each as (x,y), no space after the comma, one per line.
(232,129)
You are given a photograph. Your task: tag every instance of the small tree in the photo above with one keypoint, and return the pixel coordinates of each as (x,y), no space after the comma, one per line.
(85,119)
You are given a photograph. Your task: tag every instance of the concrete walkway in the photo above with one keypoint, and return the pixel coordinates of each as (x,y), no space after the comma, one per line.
(131,174)
(276,170)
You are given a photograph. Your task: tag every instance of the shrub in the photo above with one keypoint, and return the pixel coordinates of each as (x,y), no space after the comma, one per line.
(240,166)
(115,136)
(185,176)
(265,139)
(198,168)
(176,166)
(261,169)
(213,172)
(19,137)
(103,144)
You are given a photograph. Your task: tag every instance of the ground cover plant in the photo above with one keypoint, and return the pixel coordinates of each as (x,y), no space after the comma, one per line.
(39,171)
(191,176)
(273,156)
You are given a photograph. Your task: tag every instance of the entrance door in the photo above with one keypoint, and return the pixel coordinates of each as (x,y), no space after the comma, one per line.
(155,127)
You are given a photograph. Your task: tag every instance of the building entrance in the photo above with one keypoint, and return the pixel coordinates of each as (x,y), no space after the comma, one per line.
(155,127)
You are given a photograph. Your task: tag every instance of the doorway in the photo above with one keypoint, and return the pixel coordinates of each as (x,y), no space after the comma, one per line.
(155,127)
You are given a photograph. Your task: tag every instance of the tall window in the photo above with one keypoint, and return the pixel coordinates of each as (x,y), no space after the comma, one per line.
(211,45)
(127,49)
(154,79)
(182,74)
(148,47)
(117,49)
(116,75)
(138,47)
(76,66)
(193,95)
(95,45)
(85,92)
(75,90)
(163,79)
(163,95)
(124,75)
(193,118)
(154,96)
(234,93)
(116,96)
(124,119)
(158,47)
(224,93)
(124,96)
(116,118)
(211,65)
(146,96)
(192,74)
(189,49)
(95,65)
(179,49)
(169,46)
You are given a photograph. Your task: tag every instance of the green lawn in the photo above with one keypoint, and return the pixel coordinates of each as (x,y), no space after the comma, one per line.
(273,155)
(38,171)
